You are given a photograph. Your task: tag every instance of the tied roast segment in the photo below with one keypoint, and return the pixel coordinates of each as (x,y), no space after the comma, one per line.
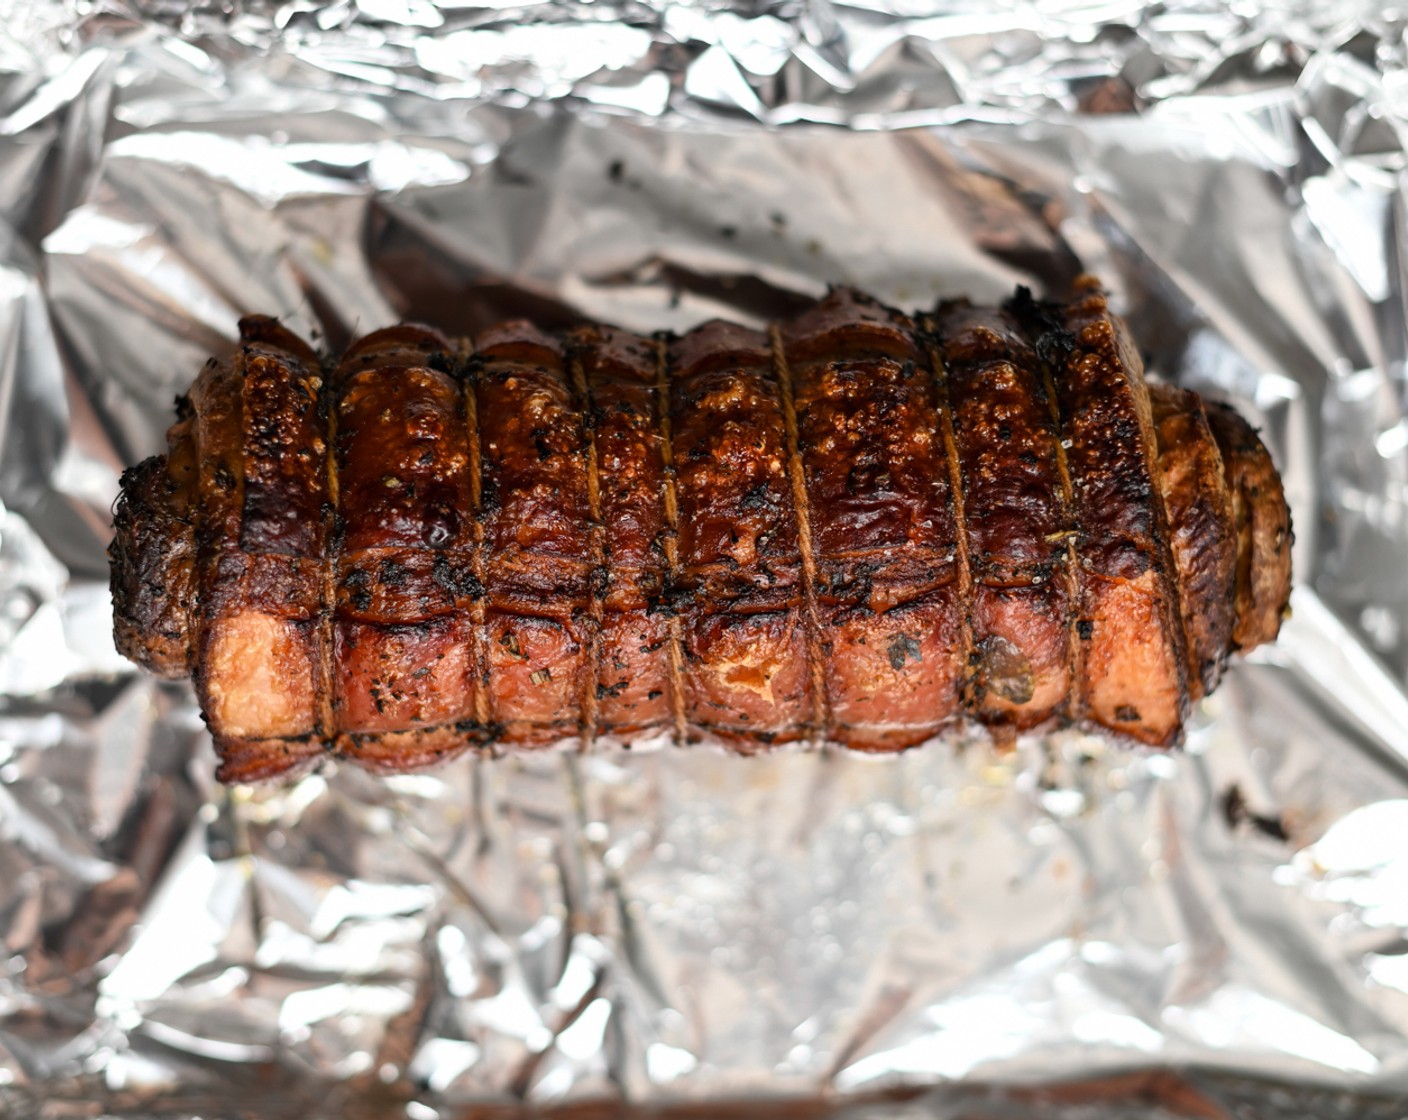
(855,526)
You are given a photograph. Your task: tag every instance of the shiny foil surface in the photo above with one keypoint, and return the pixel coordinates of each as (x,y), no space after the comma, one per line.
(1074,930)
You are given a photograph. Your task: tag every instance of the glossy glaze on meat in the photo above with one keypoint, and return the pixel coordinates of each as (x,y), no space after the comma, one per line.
(856,526)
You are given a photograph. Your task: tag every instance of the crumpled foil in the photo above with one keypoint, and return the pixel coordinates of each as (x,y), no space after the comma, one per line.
(1073,930)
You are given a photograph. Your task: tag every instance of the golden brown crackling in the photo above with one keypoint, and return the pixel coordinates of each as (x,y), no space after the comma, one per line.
(1193,481)
(405,575)
(217,406)
(402,460)
(1016,517)
(1134,662)
(876,476)
(882,521)
(405,346)
(284,486)
(1007,446)
(535,509)
(406,539)
(285,462)
(737,523)
(740,572)
(258,669)
(632,677)
(256,649)
(1262,522)
(289,500)
(538,533)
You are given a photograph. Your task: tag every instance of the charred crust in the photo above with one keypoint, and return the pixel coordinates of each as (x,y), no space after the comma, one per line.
(151,576)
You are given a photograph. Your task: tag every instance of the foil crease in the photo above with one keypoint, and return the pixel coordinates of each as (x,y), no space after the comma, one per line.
(1074,930)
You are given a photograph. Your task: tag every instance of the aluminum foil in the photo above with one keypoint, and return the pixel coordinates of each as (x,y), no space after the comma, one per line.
(1074,930)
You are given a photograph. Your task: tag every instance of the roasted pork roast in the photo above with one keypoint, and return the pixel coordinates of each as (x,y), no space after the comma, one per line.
(857,527)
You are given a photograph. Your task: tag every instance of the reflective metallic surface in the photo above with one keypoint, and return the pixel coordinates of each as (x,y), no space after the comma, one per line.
(1048,933)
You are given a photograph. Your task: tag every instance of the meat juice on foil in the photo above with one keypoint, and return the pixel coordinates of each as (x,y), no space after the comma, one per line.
(1076,929)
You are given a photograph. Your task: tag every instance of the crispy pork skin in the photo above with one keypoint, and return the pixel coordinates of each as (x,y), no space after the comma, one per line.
(855,526)
(1016,514)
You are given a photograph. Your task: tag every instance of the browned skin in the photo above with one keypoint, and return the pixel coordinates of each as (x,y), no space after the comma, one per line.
(1262,525)
(538,541)
(631,687)
(881,520)
(1015,515)
(261,469)
(404,572)
(852,527)
(1193,482)
(739,590)
(153,547)
(1129,622)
